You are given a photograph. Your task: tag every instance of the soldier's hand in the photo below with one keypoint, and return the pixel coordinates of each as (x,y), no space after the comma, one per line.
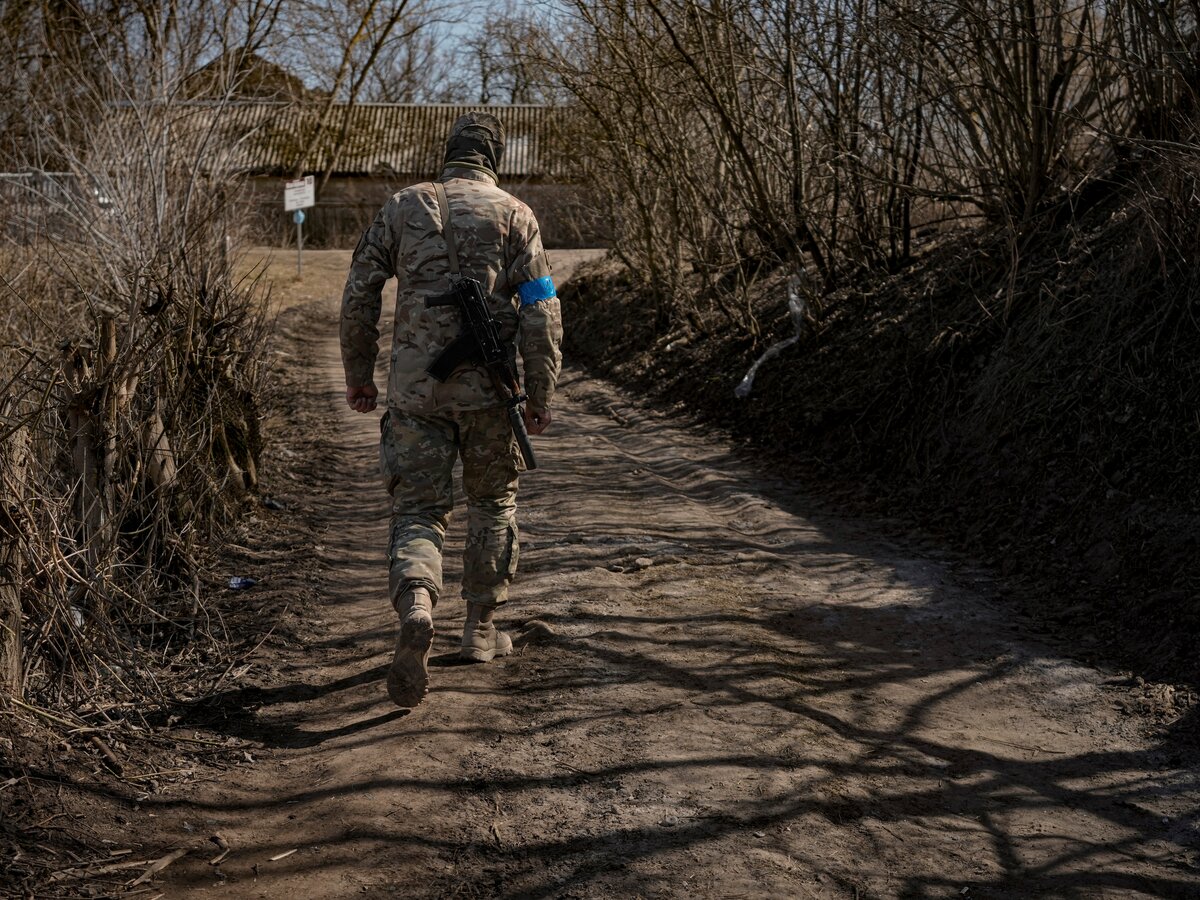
(362,399)
(537,420)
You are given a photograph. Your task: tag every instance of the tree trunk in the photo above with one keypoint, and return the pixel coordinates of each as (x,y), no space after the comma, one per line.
(85,435)
(13,462)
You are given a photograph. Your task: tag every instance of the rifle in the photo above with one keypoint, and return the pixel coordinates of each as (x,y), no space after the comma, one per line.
(479,342)
(479,339)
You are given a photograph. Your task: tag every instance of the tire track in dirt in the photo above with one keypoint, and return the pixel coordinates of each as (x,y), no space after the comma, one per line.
(722,695)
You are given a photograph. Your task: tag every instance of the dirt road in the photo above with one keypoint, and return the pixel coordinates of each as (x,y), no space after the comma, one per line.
(719,695)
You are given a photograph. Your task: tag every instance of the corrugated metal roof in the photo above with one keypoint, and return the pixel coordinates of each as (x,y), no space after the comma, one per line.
(402,139)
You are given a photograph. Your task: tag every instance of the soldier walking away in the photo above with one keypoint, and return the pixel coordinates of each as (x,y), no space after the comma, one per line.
(435,238)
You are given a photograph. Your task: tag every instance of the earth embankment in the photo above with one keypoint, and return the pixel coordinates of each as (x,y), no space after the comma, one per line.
(1041,418)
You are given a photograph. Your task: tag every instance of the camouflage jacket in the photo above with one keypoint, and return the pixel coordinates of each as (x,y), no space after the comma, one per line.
(499,245)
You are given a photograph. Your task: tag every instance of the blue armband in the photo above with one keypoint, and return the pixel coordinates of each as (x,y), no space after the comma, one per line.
(538,289)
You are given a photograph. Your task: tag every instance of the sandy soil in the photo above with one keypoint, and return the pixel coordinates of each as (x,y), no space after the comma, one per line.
(718,693)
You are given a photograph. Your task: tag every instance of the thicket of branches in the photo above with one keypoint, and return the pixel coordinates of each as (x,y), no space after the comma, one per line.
(731,138)
(132,361)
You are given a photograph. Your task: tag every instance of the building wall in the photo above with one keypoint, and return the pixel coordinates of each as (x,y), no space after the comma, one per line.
(348,204)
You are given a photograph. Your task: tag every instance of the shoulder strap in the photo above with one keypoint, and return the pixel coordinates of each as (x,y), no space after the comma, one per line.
(447,230)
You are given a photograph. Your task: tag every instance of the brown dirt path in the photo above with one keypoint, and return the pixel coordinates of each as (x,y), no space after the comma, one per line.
(722,696)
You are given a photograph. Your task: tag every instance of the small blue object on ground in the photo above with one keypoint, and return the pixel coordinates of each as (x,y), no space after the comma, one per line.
(241,582)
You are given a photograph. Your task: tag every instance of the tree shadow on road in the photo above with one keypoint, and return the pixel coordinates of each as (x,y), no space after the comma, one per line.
(237,712)
(772,706)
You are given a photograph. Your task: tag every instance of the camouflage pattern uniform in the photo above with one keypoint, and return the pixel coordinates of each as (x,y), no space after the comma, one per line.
(428,424)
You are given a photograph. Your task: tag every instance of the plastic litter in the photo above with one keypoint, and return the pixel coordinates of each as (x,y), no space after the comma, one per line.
(272,503)
(797,306)
(241,582)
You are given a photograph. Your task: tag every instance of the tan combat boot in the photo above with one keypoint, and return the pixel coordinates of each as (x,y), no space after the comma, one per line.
(408,677)
(482,641)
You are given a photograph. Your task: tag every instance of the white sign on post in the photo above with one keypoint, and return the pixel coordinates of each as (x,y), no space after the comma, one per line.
(299,194)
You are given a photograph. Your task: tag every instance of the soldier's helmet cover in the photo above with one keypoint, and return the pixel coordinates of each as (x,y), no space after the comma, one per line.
(478,140)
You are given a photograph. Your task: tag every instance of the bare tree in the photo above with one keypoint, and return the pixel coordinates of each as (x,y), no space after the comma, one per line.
(364,33)
(499,54)
(416,67)
(736,138)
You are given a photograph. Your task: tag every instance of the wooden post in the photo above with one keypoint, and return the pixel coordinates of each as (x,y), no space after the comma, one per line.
(250,466)
(14,459)
(156,444)
(236,477)
(112,394)
(84,432)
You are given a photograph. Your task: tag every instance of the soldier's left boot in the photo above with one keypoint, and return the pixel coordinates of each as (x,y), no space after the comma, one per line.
(408,676)
(482,641)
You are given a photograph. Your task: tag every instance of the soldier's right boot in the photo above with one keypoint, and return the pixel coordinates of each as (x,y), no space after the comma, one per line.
(482,641)
(408,677)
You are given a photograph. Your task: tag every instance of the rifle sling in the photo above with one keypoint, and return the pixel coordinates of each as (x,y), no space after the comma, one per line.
(462,348)
(447,230)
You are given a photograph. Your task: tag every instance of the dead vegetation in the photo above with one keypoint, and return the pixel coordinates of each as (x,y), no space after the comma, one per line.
(1043,420)
(131,387)
(727,140)
(985,213)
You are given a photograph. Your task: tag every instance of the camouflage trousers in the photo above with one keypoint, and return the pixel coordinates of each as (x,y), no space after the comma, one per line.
(416,456)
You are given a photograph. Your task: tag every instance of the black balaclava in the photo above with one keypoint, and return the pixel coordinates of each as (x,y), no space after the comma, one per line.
(476,142)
